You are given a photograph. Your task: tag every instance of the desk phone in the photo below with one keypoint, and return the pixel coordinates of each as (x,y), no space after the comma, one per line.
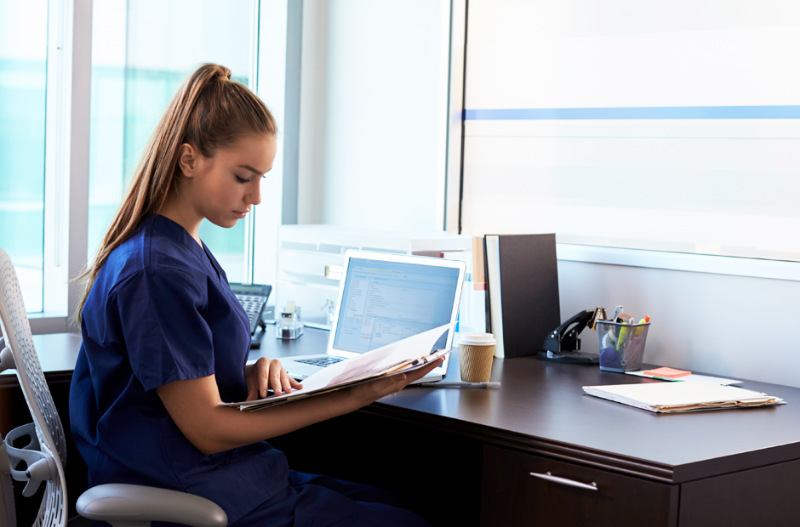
(253,298)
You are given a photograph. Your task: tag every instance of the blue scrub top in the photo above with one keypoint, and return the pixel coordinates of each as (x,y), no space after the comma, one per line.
(161,310)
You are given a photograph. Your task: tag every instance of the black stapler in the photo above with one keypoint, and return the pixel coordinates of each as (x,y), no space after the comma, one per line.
(563,344)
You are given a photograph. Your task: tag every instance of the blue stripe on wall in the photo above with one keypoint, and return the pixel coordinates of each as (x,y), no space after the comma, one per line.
(646,112)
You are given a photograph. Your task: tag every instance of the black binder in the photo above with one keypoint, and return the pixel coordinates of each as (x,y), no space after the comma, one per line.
(528,292)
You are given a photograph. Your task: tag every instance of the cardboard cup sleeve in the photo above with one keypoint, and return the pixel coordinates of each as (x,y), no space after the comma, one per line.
(476,351)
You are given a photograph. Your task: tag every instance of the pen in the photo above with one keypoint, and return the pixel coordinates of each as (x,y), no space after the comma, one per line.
(639,330)
(484,385)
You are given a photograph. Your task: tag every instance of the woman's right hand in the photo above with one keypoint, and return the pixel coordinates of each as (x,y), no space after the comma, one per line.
(370,392)
(266,374)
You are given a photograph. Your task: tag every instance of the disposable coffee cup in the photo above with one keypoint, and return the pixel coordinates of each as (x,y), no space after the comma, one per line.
(476,352)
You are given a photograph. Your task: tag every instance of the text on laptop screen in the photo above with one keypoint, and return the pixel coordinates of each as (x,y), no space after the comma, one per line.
(383,302)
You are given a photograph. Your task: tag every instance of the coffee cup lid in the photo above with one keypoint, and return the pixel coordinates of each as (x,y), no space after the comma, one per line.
(477,339)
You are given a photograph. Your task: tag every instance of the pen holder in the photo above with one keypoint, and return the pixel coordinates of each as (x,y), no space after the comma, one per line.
(621,345)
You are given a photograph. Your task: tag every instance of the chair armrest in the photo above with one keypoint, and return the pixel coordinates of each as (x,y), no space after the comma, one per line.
(122,504)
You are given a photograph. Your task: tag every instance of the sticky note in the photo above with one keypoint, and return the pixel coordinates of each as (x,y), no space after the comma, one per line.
(668,373)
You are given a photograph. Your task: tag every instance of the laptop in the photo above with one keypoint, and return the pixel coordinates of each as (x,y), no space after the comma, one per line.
(384,298)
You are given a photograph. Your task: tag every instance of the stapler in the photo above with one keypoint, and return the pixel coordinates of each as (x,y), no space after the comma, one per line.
(563,344)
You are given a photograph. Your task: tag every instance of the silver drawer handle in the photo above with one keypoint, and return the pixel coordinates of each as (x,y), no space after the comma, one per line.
(564,481)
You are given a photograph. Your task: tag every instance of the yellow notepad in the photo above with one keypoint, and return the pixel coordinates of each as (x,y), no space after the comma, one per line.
(667,397)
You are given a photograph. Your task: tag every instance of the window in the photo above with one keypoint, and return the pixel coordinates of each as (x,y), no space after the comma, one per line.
(23,92)
(142,50)
(633,125)
(72,128)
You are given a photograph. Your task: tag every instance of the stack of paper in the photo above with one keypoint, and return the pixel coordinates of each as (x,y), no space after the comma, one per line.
(399,357)
(667,397)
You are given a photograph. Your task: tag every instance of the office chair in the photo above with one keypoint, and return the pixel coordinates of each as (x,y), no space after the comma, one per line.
(36,452)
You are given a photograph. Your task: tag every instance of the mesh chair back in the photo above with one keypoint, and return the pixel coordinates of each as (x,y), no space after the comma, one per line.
(45,454)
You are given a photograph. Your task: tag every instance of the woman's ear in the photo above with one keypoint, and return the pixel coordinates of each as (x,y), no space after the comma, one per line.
(187,159)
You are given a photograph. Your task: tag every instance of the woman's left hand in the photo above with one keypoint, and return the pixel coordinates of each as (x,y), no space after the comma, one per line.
(267,374)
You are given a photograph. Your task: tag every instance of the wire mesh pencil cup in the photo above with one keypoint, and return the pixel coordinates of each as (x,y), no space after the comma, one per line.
(621,345)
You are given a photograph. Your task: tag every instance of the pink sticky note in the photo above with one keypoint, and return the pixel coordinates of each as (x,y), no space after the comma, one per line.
(670,373)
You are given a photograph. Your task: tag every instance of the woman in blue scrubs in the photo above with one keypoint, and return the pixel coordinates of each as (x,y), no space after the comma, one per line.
(165,340)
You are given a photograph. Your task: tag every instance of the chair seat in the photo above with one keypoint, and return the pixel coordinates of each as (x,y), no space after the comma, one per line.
(122,502)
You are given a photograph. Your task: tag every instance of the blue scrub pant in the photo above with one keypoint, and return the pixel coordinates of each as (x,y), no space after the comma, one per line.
(320,501)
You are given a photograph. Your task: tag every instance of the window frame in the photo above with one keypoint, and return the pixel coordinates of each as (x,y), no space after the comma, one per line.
(67,150)
(66,162)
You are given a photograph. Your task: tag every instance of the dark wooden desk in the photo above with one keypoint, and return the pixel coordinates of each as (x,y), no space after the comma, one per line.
(474,450)
(735,467)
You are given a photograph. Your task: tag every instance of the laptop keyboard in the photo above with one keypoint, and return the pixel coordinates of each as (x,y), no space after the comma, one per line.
(321,361)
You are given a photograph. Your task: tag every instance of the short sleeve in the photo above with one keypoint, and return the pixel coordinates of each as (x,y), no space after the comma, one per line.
(161,319)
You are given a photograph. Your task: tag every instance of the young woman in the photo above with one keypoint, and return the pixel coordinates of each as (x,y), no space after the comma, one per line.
(165,340)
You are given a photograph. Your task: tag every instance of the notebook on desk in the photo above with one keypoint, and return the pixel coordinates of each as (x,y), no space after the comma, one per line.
(384,298)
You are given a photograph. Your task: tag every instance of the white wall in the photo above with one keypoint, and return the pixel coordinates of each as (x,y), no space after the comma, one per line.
(734,326)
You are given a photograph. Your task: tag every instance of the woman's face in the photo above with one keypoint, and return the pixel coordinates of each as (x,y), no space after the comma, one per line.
(223,188)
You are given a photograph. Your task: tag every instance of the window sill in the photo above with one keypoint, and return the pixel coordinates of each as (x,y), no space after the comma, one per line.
(674,261)
(44,322)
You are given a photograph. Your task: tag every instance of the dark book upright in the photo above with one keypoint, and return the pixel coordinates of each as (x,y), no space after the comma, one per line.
(522,297)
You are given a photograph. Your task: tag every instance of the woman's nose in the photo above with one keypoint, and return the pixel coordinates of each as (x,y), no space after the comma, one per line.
(255,193)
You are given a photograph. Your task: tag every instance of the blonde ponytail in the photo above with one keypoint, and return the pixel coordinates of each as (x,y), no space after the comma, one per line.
(209,111)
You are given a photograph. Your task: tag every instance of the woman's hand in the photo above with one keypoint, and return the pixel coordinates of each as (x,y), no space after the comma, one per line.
(267,374)
(374,390)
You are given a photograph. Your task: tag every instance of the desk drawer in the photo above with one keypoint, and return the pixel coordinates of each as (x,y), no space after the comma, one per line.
(759,496)
(568,494)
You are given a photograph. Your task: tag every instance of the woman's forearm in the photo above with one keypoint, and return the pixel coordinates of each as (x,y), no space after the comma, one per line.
(194,406)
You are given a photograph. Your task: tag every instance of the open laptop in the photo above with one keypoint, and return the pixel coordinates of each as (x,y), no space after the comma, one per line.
(384,298)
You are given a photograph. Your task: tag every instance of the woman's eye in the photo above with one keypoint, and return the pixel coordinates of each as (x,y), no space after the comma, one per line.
(241,179)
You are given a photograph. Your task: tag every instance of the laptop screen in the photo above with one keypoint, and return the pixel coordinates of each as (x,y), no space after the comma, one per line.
(386,299)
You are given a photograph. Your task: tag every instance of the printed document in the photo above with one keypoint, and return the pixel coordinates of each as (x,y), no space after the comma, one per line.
(668,397)
(405,355)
